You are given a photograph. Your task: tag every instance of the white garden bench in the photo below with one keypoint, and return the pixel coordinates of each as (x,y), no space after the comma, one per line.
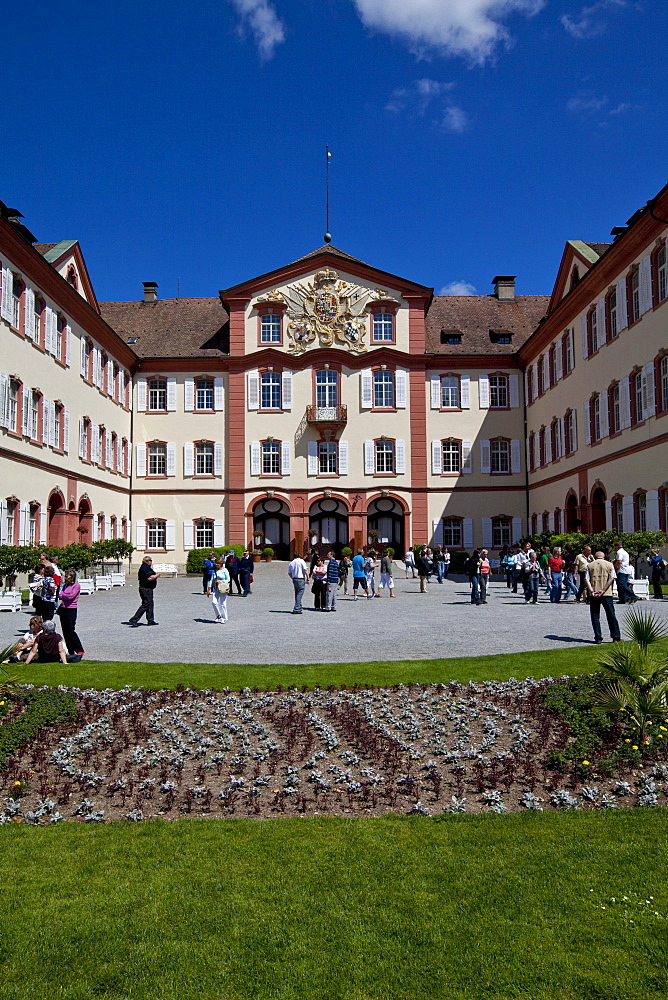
(103,582)
(87,586)
(10,600)
(117,579)
(639,586)
(166,569)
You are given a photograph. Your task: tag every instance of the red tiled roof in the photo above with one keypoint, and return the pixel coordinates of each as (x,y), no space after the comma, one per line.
(475,315)
(171,328)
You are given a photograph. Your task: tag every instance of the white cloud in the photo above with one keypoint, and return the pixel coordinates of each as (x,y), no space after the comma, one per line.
(454,119)
(623,107)
(591,21)
(586,103)
(458,288)
(417,96)
(469,28)
(264,23)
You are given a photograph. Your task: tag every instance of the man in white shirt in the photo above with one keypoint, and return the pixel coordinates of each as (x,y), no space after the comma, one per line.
(298,573)
(622,565)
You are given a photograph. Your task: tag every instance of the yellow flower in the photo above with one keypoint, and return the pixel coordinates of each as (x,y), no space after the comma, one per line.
(660,736)
(663,728)
(585,761)
(627,741)
(17,782)
(634,747)
(1,702)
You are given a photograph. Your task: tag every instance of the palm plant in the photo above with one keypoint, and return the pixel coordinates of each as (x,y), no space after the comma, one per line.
(635,673)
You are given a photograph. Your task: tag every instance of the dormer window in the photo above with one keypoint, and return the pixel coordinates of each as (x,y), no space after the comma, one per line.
(451,337)
(500,337)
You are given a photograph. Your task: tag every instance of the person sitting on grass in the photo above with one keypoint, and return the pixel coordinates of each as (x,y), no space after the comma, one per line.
(25,644)
(49,646)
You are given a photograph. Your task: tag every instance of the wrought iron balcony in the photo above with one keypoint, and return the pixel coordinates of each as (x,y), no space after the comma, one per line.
(327,414)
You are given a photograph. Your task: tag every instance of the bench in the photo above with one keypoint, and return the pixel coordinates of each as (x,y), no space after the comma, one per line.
(87,586)
(117,579)
(10,600)
(166,569)
(639,586)
(103,583)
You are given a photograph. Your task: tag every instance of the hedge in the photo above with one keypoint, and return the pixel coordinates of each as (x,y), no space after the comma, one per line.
(196,557)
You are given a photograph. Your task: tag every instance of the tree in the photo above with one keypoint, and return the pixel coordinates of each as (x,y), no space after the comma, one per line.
(15,559)
(634,676)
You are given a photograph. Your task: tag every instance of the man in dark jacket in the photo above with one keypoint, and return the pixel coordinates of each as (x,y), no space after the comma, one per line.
(232,567)
(147,583)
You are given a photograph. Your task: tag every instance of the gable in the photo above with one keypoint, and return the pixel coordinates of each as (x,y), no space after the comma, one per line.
(578,258)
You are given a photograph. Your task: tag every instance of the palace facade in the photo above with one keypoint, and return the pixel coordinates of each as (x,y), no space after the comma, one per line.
(330,401)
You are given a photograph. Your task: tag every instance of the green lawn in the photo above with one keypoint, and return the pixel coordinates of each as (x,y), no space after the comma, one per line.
(102,674)
(400,909)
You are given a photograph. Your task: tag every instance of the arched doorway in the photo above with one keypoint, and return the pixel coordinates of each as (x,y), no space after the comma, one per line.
(386,516)
(271,517)
(85,526)
(598,499)
(584,514)
(57,519)
(572,520)
(328,521)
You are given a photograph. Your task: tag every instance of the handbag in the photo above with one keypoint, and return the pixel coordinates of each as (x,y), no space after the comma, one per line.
(250,578)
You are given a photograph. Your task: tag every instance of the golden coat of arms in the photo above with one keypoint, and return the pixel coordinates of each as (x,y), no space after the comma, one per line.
(328,309)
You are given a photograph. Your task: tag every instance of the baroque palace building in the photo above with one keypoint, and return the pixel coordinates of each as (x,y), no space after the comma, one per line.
(330,401)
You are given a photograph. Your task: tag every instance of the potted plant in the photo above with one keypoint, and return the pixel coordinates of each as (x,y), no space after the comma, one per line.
(256,554)
(268,553)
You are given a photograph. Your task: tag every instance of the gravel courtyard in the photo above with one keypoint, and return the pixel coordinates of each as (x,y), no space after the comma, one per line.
(261,629)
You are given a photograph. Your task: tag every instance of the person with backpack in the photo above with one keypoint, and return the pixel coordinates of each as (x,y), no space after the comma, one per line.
(657,569)
(472,570)
(220,586)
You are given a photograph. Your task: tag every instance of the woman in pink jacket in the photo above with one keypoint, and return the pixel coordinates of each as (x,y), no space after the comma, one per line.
(69,598)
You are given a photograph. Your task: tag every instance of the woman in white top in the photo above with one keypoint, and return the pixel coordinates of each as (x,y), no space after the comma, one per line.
(409,563)
(220,586)
(370,571)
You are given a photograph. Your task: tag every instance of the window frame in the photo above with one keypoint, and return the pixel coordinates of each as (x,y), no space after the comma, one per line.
(612,326)
(156,524)
(275,310)
(457,449)
(615,409)
(333,449)
(635,392)
(454,377)
(197,390)
(375,316)
(388,448)
(162,455)
(273,444)
(202,524)
(659,275)
(500,526)
(335,381)
(203,445)
(498,441)
(381,374)
(157,379)
(276,378)
(453,524)
(633,295)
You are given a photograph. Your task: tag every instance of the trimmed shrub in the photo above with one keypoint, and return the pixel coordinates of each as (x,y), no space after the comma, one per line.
(196,557)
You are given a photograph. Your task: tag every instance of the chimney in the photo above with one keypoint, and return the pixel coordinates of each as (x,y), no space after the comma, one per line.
(150,291)
(504,287)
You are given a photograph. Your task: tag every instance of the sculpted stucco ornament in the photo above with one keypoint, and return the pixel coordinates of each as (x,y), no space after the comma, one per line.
(327,310)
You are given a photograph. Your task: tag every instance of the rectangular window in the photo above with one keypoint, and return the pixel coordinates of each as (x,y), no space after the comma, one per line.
(32,526)
(450,392)
(16,311)
(663,374)
(451,456)
(157,460)
(204,394)
(327,457)
(383,327)
(60,330)
(39,306)
(619,514)
(635,295)
(596,422)
(33,430)
(204,534)
(452,532)
(383,390)
(570,432)
(593,321)
(616,410)
(11,510)
(157,534)
(384,456)
(204,460)
(642,512)
(500,456)
(270,329)
(612,307)
(498,392)
(326,388)
(271,458)
(157,394)
(637,386)
(661,284)
(270,391)
(500,532)
(569,352)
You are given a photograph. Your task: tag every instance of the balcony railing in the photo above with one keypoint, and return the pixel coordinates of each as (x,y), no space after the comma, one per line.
(326,414)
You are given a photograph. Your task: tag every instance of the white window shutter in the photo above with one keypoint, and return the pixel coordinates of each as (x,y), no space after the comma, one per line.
(218,394)
(83,362)
(96,529)
(600,322)
(527,446)
(586,409)
(286,458)
(141,459)
(534,380)
(188,535)
(487,532)
(312,461)
(652,510)
(218,458)
(550,521)
(517,530)
(24,513)
(483,392)
(465,389)
(648,395)
(171,395)
(400,386)
(467,457)
(368,458)
(3,503)
(29,298)
(536,451)
(110,377)
(68,344)
(7,307)
(435,383)
(645,284)
(286,390)
(189,398)
(255,458)
(514,384)
(516,455)
(65,418)
(437,531)
(560,437)
(218,534)
(4,391)
(605,421)
(625,402)
(546,372)
(171,458)
(574,418)
(548,446)
(437,457)
(484,456)
(107,527)
(629,514)
(366,389)
(622,311)
(94,443)
(170,535)
(42,525)
(26,419)
(188,459)
(107,449)
(48,344)
(400,457)
(559,361)
(585,339)
(526,384)
(571,341)
(343,458)
(141,394)
(467,532)
(47,424)
(608,515)
(253,389)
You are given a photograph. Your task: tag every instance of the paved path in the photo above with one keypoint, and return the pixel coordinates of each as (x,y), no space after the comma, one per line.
(441,623)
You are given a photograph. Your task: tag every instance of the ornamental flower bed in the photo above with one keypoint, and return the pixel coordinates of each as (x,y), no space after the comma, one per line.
(421,749)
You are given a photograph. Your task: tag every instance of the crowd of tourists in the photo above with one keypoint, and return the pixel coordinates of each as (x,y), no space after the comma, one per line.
(55,595)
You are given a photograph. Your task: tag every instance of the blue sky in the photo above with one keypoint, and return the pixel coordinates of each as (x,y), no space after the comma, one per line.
(469,137)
